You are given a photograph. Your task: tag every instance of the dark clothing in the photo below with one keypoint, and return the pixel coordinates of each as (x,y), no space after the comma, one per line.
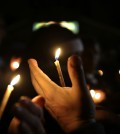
(93,128)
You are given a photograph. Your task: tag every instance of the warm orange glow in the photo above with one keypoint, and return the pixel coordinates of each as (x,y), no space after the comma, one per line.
(57,54)
(97,95)
(8,93)
(15,80)
(92,92)
(15,63)
(119,71)
(100,72)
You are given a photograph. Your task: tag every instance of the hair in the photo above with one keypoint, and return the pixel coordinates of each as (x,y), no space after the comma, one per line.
(45,39)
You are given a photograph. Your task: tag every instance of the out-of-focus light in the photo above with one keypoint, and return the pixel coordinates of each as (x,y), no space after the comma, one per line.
(71,25)
(100,72)
(97,95)
(15,80)
(119,71)
(15,63)
(38,25)
(92,92)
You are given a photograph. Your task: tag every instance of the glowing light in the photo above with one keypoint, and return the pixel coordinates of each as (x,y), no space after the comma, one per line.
(100,72)
(57,64)
(15,63)
(97,95)
(57,54)
(71,25)
(119,71)
(15,80)
(8,93)
(92,92)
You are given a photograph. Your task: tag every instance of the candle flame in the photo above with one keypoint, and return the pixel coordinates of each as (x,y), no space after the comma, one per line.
(57,54)
(15,80)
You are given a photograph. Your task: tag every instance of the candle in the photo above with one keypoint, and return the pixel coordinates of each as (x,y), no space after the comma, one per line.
(57,64)
(7,94)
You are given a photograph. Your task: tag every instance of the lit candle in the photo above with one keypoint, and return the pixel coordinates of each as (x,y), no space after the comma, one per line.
(7,94)
(57,54)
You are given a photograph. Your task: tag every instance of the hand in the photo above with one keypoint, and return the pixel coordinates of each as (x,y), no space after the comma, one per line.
(27,115)
(70,106)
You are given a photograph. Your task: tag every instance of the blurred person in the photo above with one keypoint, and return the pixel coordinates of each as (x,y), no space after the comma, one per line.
(91,57)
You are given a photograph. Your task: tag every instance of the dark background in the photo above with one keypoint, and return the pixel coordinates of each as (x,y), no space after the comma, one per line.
(96,19)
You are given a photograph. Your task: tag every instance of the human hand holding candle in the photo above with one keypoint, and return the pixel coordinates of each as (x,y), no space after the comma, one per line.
(7,94)
(72,106)
(59,68)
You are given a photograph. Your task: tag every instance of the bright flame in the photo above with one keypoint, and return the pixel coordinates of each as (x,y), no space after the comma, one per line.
(92,92)
(57,54)
(15,80)
(100,72)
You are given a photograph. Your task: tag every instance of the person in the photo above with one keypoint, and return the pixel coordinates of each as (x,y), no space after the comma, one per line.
(72,107)
(50,37)
(27,111)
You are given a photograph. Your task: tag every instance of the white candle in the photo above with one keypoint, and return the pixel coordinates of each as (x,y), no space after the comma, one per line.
(7,94)
(57,64)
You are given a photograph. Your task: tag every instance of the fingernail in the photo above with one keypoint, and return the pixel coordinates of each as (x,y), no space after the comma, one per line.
(74,60)
(33,61)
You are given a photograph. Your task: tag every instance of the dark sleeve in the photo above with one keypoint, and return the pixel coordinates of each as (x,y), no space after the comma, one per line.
(93,128)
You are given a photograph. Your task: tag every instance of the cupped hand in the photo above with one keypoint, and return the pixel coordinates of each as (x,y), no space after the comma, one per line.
(70,106)
(28,117)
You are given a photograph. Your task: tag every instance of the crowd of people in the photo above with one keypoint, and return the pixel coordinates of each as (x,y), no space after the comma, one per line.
(70,109)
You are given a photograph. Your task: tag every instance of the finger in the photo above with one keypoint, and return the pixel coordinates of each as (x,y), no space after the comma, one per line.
(32,107)
(24,128)
(13,127)
(39,100)
(36,85)
(31,120)
(76,73)
(46,84)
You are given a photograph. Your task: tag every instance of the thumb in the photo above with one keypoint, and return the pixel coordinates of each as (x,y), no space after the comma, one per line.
(39,100)
(76,73)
